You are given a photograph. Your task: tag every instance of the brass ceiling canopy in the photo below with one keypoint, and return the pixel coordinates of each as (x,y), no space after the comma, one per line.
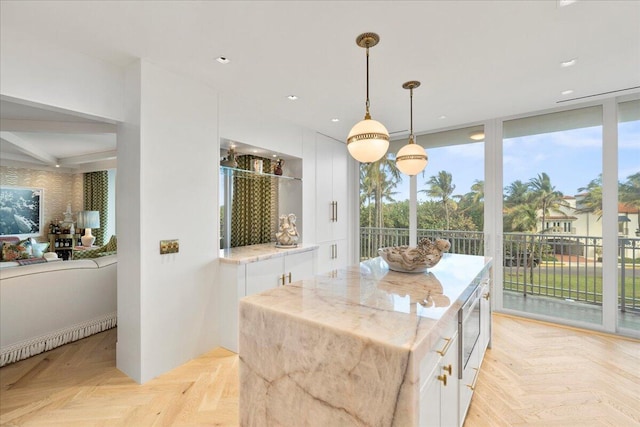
(411,85)
(367,40)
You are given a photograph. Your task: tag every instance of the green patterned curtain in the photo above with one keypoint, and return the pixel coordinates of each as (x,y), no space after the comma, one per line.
(96,189)
(252,204)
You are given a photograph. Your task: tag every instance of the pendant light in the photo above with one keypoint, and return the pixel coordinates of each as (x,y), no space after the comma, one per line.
(411,159)
(368,140)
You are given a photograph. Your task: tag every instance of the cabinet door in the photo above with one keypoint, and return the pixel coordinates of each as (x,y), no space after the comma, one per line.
(326,253)
(340,191)
(264,275)
(341,257)
(485,316)
(299,266)
(468,382)
(449,392)
(332,256)
(325,211)
(430,399)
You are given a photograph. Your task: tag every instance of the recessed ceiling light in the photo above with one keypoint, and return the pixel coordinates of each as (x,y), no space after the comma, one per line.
(292,97)
(274,155)
(335,119)
(477,136)
(569,63)
(222,59)
(57,166)
(567,92)
(563,3)
(442,117)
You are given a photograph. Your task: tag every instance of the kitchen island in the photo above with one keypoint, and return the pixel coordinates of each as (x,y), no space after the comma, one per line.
(354,347)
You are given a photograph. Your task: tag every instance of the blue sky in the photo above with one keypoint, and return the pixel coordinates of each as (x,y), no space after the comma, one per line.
(570,158)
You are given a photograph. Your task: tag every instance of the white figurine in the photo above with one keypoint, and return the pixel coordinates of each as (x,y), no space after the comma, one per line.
(288,234)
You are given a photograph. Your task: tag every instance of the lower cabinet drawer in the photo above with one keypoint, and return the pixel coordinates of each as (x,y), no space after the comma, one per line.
(468,382)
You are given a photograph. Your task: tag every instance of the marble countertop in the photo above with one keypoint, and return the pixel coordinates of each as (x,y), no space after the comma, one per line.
(369,300)
(345,348)
(253,253)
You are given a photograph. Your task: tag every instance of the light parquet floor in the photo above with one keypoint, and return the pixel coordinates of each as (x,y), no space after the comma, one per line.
(535,374)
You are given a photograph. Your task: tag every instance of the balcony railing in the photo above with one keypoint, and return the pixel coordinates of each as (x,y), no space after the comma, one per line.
(568,267)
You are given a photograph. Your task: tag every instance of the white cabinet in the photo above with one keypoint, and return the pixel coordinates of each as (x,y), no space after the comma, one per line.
(472,369)
(468,381)
(485,314)
(271,273)
(240,280)
(439,383)
(332,255)
(445,399)
(331,203)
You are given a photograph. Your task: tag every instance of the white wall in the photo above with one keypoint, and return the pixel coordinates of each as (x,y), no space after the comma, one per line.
(240,121)
(42,73)
(177,175)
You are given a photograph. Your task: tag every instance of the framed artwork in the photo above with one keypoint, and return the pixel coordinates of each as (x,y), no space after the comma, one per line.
(21,211)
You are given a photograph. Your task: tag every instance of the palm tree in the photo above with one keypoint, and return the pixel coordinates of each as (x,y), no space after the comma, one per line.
(592,201)
(471,204)
(378,179)
(517,217)
(630,191)
(477,189)
(524,218)
(441,187)
(545,195)
(516,193)
(629,194)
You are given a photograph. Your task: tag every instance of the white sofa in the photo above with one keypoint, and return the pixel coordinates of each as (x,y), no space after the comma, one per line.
(43,306)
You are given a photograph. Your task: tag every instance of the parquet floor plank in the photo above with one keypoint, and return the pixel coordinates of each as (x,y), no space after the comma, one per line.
(536,374)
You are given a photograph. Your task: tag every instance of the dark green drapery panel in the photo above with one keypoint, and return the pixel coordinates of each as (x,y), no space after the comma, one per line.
(96,192)
(252,205)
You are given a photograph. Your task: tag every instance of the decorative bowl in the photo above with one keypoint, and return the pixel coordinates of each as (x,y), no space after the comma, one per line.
(409,259)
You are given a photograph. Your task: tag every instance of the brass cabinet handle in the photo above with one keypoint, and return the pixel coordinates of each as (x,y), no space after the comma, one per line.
(289,277)
(282,278)
(472,386)
(486,296)
(445,348)
(443,378)
(448,369)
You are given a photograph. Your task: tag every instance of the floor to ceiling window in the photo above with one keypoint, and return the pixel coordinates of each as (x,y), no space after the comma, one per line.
(550,180)
(552,247)
(628,215)
(446,200)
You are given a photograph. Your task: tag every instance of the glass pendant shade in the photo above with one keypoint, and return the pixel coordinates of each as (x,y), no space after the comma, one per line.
(411,159)
(368,141)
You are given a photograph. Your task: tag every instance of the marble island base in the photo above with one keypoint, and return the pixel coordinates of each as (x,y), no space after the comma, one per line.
(343,350)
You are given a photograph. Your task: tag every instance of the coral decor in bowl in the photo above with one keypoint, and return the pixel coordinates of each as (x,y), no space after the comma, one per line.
(409,259)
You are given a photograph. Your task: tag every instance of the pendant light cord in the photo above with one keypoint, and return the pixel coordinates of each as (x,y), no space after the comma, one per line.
(367,116)
(411,141)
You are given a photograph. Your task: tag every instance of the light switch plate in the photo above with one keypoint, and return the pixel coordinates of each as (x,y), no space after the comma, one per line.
(169,246)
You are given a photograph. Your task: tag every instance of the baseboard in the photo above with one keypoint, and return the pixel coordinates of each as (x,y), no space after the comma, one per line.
(33,346)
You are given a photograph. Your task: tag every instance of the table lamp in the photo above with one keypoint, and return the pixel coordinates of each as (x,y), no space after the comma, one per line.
(88,220)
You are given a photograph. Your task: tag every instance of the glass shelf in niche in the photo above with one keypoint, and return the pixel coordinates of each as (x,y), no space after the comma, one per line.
(249,174)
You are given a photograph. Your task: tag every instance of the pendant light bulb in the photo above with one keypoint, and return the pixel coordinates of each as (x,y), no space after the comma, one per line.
(368,140)
(412,158)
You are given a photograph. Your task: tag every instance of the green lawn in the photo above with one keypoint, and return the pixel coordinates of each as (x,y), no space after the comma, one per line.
(577,287)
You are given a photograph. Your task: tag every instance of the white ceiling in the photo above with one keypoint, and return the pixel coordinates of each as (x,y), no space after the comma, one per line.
(476,59)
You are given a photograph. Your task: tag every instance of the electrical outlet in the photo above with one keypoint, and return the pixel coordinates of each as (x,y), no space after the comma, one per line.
(169,246)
